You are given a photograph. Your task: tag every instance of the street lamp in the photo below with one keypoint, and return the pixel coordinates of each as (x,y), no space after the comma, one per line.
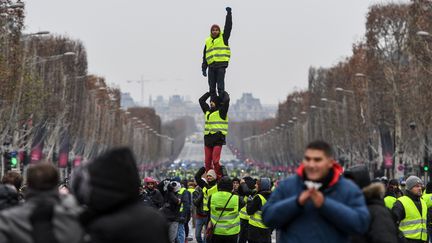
(36,33)
(423,33)
(16,5)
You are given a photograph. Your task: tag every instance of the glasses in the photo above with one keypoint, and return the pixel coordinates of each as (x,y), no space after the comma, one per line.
(316,159)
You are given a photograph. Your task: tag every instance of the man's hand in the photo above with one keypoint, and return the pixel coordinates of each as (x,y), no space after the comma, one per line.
(204,73)
(228,9)
(317,198)
(304,196)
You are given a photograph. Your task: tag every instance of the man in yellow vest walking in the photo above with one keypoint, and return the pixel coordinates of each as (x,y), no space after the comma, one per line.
(411,212)
(215,129)
(216,55)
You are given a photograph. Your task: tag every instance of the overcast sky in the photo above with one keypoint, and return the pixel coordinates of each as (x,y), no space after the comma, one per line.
(273,43)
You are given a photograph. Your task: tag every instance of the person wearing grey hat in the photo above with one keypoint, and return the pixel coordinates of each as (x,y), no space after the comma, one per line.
(410,212)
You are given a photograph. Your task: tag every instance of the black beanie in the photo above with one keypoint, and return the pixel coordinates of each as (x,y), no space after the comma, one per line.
(225,184)
(250,182)
(114,180)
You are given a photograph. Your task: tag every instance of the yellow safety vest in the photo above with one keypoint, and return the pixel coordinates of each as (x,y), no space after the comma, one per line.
(389,201)
(413,226)
(243,212)
(256,218)
(207,194)
(216,50)
(182,190)
(214,123)
(427,197)
(229,221)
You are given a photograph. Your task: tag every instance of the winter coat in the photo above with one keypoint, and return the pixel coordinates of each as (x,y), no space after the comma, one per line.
(16,226)
(152,198)
(171,208)
(109,187)
(197,198)
(382,228)
(186,201)
(217,139)
(255,233)
(343,213)
(9,196)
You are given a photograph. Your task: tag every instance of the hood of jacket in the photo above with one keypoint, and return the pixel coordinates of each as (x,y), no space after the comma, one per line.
(373,192)
(359,174)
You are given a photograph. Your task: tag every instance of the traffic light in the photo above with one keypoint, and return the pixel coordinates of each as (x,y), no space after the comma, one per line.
(425,167)
(13,159)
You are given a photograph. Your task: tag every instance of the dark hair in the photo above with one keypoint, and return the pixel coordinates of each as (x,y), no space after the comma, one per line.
(322,146)
(236,179)
(43,176)
(13,178)
(429,187)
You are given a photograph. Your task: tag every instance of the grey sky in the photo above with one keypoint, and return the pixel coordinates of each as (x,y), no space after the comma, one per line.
(273,43)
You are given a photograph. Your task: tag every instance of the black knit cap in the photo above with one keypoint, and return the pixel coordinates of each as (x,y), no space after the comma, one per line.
(225,184)
(114,180)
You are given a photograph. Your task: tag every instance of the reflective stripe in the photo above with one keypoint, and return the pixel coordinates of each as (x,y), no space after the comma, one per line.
(415,231)
(256,219)
(218,122)
(218,55)
(215,130)
(218,48)
(227,226)
(215,217)
(405,223)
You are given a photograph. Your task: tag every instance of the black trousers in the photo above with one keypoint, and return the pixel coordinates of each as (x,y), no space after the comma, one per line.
(216,77)
(243,236)
(224,239)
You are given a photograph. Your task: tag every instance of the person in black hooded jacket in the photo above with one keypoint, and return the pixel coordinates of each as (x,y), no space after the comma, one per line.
(257,234)
(382,228)
(109,188)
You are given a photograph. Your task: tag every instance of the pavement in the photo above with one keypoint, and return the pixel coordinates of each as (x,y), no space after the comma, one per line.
(195,152)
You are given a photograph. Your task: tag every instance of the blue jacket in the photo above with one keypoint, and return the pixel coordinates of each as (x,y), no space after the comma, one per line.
(343,213)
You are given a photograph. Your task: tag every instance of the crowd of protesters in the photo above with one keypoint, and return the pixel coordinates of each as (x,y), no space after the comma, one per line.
(106,201)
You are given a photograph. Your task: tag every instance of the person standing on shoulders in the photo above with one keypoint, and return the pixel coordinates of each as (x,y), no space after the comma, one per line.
(216,56)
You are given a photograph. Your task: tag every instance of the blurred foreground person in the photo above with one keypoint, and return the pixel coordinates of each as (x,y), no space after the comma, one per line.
(45,217)
(382,228)
(109,188)
(9,190)
(410,212)
(317,204)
